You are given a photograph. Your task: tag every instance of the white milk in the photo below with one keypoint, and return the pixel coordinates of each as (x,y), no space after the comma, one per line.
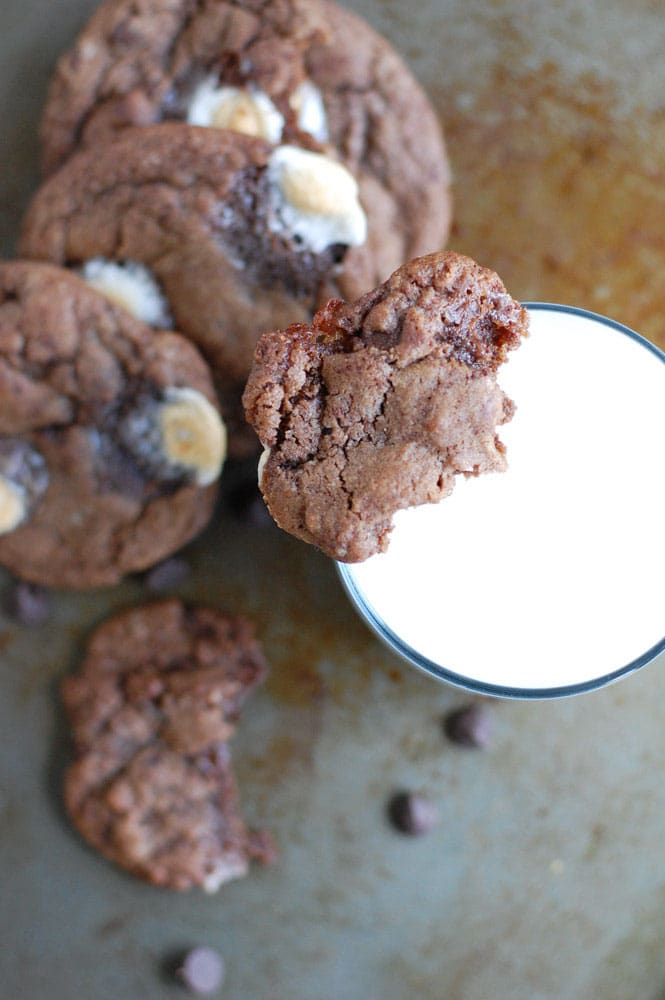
(552,574)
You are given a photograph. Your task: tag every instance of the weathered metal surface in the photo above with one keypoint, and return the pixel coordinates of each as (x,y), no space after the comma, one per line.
(546,879)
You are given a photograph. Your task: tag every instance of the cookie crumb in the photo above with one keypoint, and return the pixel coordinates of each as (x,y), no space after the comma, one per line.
(28,604)
(167,575)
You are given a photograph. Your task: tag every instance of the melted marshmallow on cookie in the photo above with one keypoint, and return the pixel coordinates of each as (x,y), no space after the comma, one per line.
(248,111)
(307,102)
(193,434)
(315,199)
(251,111)
(263,461)
(12,506)
(132,286)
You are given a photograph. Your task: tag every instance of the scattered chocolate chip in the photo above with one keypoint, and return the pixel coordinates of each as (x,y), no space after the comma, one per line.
(469,727)
(413,814)
(28,603)
(167,575)
(202,971)
(247,505)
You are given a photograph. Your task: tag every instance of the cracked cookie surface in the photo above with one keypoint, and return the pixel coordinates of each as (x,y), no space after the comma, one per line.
(151,712)
(378,405)
(74,372)
(139,62)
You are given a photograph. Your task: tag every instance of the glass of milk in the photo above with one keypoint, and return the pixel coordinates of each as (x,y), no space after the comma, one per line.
(548,579)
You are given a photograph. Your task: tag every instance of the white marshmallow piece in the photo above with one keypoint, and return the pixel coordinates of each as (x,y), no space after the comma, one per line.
(249,111)
(132,286)
(315,199)
(193,434)
(12,505)
(263,461)
(307,102)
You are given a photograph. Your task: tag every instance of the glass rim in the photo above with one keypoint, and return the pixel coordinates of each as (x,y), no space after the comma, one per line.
(449,676)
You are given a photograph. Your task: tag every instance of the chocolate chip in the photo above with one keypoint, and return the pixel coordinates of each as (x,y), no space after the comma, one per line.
(28,603)
(167,575)
(469,727)
(412,813)
(247,505)
(202,971)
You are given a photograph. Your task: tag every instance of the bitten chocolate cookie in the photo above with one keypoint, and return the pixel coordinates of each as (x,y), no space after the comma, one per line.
(151,712)
(376,406)
(230,234)
(299,72)
(110,438)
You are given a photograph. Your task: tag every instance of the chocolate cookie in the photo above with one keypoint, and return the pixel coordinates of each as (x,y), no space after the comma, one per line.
(300,72)
(376,406)
(151,712)
(110,439)
(230,234)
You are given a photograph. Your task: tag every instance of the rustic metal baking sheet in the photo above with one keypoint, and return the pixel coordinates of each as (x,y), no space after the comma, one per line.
(546,879)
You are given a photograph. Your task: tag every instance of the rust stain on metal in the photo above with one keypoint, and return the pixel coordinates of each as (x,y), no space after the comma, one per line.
(576,187)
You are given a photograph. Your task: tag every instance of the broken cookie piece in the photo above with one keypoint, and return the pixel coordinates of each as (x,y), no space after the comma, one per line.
(377,405)
(110,437)
(151,712)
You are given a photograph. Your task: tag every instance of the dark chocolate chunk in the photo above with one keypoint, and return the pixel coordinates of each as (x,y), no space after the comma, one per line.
(202,971)
(167,575)
(248,506)
(470,726)
(139,433)
(28,604)
(116,469)
(412,814)
(268,257)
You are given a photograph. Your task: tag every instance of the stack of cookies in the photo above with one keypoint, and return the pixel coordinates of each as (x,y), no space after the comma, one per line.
(213,170)
(218,169)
